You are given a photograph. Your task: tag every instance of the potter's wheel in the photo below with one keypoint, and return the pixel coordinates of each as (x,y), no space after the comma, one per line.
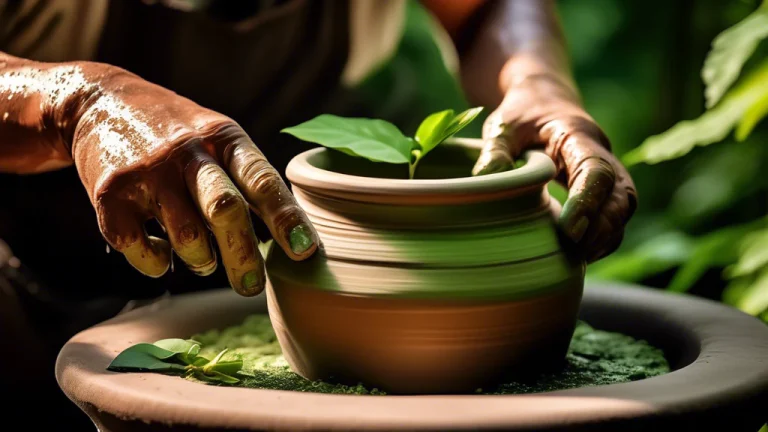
(720,381)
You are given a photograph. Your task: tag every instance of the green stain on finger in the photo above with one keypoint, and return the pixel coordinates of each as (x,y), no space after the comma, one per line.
(300,238)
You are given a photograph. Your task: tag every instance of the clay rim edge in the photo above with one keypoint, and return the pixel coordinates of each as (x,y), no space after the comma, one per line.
(537,171)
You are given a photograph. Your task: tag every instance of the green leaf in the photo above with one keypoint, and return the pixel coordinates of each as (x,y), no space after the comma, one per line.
(432,130)
(711,185)
(151,349)
(751,118)
(735,290)
(178,346)
(186,350)
(224,378)
(194,350)
(199,361)
(712,126)
(718,248)
(144,357)
(657,254)
(228,367)
(754,297)
(753,257)
(376,140)
(462,120)
(730,50)
(437,128)
(215,377)
(212,364)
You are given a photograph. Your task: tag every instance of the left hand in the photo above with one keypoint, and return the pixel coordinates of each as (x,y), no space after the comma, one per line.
(543,110)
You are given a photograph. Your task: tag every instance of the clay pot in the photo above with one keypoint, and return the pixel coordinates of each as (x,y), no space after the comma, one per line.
(719,378)
(436,285)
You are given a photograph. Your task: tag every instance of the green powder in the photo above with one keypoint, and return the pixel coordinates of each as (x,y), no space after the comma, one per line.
(595,357)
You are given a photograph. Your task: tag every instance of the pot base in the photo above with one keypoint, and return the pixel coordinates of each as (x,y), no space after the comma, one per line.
(418,346)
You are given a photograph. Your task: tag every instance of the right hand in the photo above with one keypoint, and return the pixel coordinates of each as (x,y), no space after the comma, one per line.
(144,152)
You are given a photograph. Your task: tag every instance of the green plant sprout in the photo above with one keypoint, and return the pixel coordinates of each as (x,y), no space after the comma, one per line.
(381,141)
(177,357)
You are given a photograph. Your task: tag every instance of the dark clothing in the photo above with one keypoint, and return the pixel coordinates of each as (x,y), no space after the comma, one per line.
(276,68)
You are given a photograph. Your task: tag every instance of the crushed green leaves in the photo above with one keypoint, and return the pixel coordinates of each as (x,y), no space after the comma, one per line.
(595,358)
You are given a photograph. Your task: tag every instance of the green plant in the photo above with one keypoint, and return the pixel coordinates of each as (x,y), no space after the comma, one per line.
(177,357)
(381,141)
(733,105)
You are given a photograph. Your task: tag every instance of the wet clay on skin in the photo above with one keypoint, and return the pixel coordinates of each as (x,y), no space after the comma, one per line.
(144,152)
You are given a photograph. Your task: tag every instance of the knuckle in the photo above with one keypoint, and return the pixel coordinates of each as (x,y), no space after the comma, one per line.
(225,206)
(222,127)
(263,180)
(286,217)
(115,225)
(593,171)
(188,234)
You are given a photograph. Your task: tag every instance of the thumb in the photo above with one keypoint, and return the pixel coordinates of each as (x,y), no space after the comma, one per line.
(494,157)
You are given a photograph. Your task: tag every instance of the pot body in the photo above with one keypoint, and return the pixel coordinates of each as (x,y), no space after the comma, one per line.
(427,288)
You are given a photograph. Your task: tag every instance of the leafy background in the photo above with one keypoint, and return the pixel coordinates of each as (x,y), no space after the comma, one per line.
(683,106)
(680,88)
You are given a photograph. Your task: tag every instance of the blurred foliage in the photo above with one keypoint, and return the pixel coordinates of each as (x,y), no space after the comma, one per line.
(750,96)
(730,50)
(702,212)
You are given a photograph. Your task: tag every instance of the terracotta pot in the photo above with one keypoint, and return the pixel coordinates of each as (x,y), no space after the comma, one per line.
(718,355)
(436,285)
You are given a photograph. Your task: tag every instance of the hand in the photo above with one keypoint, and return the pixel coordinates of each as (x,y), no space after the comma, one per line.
(145,152)
(543,110)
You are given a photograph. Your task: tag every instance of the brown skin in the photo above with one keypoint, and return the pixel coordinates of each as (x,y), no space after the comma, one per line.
(144,152)
(517,61)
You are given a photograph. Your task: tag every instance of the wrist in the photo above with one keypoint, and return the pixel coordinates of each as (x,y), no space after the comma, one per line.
(524,68)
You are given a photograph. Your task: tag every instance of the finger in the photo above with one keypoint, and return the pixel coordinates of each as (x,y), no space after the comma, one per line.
(123,228)
(603,245)
(228,217)
(494,157)
(270,198)
(606,235)
(497,153)
(187,233)
(591,180)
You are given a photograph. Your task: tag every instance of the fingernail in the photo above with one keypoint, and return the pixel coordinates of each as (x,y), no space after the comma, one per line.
(300,238)
(578,230)
(252,280)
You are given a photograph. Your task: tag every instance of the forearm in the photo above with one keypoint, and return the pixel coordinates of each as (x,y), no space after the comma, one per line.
(39,107)
(516,41)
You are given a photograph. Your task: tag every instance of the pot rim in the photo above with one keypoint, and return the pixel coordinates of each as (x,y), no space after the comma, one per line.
(537,171)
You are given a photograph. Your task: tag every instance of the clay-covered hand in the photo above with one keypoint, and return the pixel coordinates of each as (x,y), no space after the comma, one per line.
(144,152)
(543,110)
